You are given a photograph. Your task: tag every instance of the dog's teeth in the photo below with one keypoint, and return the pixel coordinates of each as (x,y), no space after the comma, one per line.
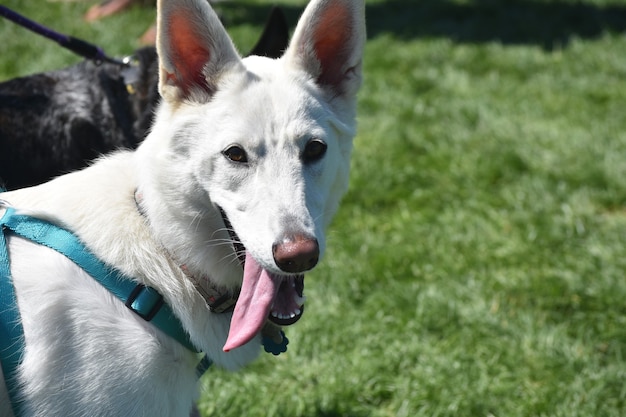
(287,316)
(299,300)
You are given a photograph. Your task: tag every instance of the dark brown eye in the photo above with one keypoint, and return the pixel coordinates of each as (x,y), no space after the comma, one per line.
(235,153)
(314,150)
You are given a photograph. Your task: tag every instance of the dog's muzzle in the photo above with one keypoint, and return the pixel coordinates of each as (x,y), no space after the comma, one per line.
(288,304)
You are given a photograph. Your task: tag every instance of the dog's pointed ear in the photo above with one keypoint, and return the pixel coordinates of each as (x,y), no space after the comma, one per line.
(194,50)
(328,43)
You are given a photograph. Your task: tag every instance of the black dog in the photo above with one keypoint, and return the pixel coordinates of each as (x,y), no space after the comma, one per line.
(55,122)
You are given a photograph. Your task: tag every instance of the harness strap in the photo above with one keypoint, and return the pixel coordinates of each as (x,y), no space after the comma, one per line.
(144,301)
(11,331)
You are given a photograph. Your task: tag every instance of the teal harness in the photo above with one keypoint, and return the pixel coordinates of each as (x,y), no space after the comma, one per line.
(144,301)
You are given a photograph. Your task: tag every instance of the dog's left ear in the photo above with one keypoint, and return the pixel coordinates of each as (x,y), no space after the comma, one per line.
(194,50)
(328,43)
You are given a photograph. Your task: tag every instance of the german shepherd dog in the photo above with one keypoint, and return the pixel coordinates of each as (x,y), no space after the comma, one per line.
(56,122)
(231,192)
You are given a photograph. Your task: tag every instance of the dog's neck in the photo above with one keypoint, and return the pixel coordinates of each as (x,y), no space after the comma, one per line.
(218,299)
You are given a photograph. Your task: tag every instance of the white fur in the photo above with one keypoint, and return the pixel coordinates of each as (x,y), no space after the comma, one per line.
(86,354)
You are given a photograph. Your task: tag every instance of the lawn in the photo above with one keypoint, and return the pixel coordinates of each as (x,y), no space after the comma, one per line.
(477,264)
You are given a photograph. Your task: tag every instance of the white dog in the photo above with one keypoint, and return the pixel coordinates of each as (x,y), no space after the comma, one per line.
(245,164)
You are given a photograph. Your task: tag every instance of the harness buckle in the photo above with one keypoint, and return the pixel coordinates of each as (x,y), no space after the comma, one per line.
(145,302)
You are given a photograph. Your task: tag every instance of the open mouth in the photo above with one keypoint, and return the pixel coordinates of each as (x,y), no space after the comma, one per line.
(289,303)
(264,296)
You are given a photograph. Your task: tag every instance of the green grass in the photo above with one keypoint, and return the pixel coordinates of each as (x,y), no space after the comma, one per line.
(477,265)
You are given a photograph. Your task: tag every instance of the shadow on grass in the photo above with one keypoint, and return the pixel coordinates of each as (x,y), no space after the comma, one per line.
(547,24)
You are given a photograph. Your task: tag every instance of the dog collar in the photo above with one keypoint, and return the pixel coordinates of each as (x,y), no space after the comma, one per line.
(218,300)
(273,338)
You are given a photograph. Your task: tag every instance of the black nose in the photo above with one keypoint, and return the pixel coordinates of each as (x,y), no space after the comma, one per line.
(297,253)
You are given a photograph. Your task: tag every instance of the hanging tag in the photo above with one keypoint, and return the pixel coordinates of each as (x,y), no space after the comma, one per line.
(274,339)
(130,74)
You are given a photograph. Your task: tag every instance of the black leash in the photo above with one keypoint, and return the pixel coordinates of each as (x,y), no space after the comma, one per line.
(78,46)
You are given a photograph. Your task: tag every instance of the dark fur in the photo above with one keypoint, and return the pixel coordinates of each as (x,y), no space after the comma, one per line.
(56,122)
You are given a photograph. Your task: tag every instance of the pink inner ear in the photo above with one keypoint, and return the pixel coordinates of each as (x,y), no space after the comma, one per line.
(188,54)
(332,37)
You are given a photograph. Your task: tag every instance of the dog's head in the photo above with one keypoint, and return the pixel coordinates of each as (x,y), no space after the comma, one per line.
(262,145)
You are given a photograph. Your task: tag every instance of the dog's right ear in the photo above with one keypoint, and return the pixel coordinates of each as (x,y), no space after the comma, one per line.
(194,50)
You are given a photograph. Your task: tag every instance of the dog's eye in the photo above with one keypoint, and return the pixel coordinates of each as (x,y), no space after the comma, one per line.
(235,153)
(314,150)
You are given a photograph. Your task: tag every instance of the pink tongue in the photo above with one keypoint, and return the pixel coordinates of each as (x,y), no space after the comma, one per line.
(258,290)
